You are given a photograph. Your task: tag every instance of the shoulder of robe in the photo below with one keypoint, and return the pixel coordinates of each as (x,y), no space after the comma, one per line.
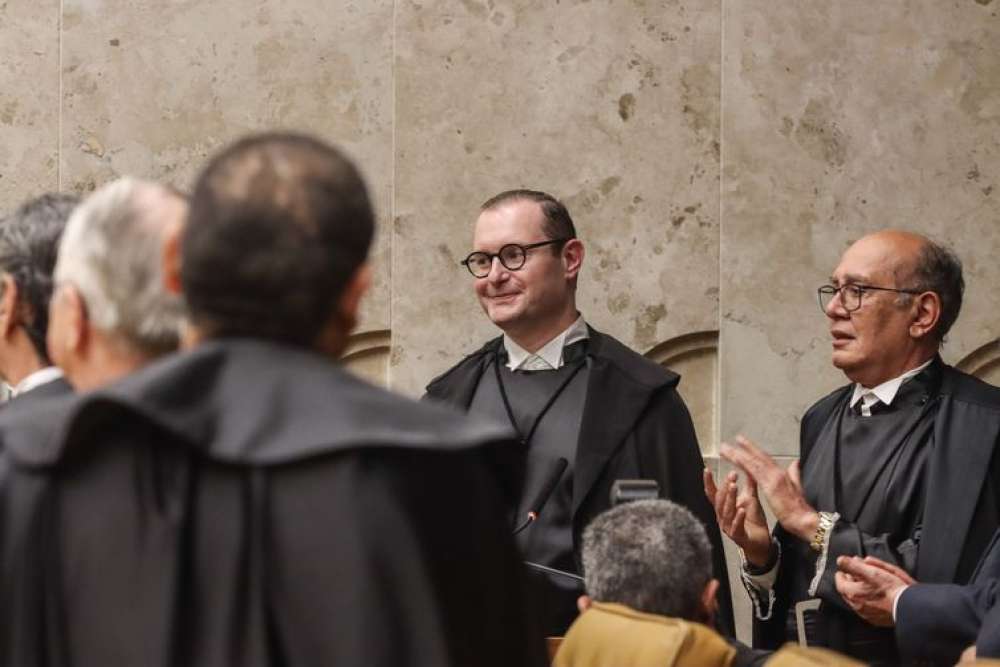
(463,366)
(823,406)
(969,389)
(246,401)
(629,362)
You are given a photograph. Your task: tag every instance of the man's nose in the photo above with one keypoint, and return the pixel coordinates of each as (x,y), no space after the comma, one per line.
(835,307)
(498,272)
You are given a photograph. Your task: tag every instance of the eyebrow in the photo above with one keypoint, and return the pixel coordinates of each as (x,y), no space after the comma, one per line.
(850,278)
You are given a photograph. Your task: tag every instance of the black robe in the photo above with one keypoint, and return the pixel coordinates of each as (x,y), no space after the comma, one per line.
(252,504)
(960,510)
(633,418)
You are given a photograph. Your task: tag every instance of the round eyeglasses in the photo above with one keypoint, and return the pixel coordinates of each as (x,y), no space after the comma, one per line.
(851,293)
(512,256)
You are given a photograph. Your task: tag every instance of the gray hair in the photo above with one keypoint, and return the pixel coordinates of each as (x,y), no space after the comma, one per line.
(111,251)
(651,555)
(938,269)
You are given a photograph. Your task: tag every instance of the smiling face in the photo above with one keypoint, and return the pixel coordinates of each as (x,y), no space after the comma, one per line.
(874,344)
(529,302)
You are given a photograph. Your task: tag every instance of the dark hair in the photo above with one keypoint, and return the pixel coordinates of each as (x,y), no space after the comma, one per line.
(278,225)
(938,269)
(29,244)
(651,555)
(558,224)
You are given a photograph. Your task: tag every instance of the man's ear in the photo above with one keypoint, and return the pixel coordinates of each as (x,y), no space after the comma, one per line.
(171,258)
(350,299)
(709,600)
(926,313)
(583,603)
(77,331)
(572,255)
(10,315)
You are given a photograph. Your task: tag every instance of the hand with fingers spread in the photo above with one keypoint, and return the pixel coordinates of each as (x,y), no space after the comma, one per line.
(741,516)
(782,488)
(870,586)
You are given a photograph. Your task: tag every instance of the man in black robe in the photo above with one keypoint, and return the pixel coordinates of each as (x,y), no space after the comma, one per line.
(249,502)
(588,410)
(29,241)
(899,464)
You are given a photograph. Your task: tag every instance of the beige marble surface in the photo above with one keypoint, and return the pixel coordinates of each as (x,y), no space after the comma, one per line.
(29,99)
(840,119)
(613,107)
(152,89)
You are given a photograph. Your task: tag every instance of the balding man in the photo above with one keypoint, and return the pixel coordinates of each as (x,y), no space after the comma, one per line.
(111,312)
(899,464)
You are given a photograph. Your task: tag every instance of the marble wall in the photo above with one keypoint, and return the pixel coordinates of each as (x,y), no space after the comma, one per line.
(717,155)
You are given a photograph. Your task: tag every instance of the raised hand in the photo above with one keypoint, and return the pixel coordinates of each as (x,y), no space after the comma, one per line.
(782,488)
(741,516)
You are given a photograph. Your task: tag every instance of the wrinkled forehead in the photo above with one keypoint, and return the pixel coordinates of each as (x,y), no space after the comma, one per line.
(511,222)
(875,260)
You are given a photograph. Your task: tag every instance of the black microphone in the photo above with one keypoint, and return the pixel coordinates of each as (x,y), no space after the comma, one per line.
(556,469)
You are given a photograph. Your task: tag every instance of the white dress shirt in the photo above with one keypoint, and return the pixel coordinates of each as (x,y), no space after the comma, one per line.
(36,379)
(549,357)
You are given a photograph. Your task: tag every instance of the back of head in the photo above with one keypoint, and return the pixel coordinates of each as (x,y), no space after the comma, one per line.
(112,253)
(651,555)
(29,240)
(279,224)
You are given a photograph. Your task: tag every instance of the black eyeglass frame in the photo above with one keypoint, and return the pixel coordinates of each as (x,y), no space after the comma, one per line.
(499,255)
(832,290)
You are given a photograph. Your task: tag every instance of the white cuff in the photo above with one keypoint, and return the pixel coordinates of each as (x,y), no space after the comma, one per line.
(760,586)
(821,561)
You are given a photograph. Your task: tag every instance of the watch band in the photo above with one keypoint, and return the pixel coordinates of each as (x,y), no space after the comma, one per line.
(826,521)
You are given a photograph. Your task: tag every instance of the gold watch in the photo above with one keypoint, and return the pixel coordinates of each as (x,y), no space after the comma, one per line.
(826,521)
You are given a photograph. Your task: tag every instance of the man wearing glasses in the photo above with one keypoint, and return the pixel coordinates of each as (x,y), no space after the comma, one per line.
(899,464)
(588,410)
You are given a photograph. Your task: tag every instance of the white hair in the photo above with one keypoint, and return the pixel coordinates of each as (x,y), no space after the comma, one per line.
(111,251)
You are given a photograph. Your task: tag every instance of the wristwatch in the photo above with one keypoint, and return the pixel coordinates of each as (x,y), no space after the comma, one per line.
(826,521)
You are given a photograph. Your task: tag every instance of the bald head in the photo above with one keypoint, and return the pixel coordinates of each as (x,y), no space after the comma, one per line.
(914,262)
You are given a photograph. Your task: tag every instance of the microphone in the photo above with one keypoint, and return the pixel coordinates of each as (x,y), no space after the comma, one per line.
(556,469)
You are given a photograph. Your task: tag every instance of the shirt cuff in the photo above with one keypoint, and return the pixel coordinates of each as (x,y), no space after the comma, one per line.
(760,587)
(895,602)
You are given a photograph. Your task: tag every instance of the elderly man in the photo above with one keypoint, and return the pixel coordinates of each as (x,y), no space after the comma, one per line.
(249,502)
(651,596)
(588,410)
(111,312)
(29,239)
(899,464)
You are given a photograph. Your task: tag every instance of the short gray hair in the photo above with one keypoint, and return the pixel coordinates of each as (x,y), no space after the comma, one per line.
(651,555)
(111,251)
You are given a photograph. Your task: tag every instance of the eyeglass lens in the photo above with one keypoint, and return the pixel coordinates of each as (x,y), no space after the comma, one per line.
(512,256)
(850,296)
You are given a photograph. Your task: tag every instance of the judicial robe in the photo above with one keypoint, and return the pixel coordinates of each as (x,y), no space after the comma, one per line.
(252,504)
(959,513)
(633,416)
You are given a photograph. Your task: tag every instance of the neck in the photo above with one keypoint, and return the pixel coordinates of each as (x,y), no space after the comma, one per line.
(21,361)
(105,362)
(535,337)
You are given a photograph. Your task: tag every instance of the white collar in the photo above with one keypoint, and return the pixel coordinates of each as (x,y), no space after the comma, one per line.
(885,392)
(36,379)
(550,355)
